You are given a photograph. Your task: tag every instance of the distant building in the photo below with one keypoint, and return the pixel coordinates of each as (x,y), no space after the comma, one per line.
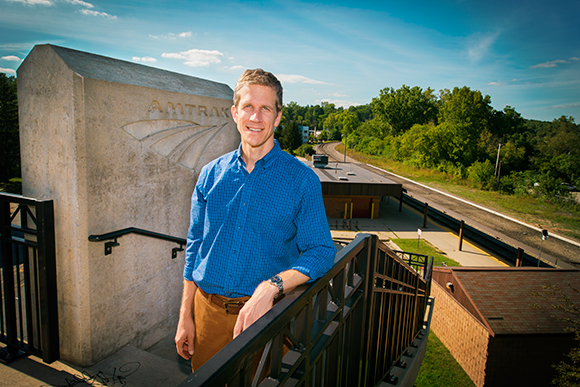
(305,133)
(350,191)
(496,329)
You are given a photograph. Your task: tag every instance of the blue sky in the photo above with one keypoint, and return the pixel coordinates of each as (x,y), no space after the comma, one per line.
(525,54)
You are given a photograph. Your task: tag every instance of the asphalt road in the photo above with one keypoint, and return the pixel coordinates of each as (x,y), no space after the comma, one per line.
(562,251)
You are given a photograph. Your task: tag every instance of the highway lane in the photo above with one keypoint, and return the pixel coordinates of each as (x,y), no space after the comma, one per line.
(562,251)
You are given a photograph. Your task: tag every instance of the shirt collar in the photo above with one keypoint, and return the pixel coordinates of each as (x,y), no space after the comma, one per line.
(265,161)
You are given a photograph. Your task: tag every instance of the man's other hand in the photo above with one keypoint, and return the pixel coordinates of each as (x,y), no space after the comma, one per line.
(184,338)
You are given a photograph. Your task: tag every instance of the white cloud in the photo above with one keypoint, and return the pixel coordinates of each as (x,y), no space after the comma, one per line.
(7,71)
(567,106)
(96,13)
(235,68)
(292,78)
(498,83)
(338,102)
(553,63)
(480,46)
(196,58)
(80,2)
(33,2)
(144,59)
(12,58)
(172,35)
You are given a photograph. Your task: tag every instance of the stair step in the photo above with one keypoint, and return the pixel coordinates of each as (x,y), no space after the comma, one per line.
(133,367)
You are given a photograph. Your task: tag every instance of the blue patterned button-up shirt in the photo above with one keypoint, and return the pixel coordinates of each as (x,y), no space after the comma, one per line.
(246,227)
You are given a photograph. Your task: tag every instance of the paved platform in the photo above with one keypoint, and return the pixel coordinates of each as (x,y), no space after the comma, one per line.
(393,224)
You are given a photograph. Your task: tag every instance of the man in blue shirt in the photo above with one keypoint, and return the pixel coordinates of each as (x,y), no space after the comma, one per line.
(258,228)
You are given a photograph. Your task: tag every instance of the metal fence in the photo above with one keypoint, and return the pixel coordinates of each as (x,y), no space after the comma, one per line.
(349,328)
(29,311)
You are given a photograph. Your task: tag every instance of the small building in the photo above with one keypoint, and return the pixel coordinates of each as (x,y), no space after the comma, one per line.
(305,133)
(351,191)
(496,329)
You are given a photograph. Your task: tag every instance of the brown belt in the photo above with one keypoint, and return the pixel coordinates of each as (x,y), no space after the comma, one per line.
(231,305)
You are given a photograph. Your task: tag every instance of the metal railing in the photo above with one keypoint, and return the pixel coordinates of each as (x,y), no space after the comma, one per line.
(348,328)
(489,242)
(29,309)
(111,237)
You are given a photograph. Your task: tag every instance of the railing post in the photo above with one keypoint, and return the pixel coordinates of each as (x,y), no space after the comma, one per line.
(461,226)
(49,337)
(10,352)
(369,254)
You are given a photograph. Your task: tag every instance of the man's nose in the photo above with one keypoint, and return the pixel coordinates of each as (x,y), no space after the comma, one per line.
(256,115)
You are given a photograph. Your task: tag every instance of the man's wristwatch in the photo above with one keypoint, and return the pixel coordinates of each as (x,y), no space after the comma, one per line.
(277,281)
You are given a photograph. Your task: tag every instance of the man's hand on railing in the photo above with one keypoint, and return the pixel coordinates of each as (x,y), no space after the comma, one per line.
(263,299)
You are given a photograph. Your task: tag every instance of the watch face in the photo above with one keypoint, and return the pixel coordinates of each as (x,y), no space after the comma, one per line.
(277,280)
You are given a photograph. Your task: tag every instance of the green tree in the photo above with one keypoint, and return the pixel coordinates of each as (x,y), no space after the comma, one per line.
(291,136)
(470,113)
(349,122)
(568,373)
(559,151)
(482,173)
(10,143)
(404,107)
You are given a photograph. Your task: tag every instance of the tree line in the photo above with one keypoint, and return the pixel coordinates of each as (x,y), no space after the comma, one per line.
(9,135)
(454,131)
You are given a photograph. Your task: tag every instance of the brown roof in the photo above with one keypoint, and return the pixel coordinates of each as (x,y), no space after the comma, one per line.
(502,298)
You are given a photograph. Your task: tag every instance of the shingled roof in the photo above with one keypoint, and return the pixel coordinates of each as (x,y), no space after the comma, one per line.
(502,298)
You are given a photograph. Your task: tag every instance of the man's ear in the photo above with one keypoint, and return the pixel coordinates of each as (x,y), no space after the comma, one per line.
(235,113)
(278,119)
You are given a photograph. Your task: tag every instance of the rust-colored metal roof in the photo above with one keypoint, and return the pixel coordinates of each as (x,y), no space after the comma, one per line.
(502,298)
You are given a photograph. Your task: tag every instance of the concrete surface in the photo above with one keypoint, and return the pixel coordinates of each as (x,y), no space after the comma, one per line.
(115,145)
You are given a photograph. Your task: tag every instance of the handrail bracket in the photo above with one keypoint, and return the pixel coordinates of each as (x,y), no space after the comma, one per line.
(109,246)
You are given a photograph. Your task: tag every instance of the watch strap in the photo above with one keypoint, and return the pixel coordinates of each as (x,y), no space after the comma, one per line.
(277,281)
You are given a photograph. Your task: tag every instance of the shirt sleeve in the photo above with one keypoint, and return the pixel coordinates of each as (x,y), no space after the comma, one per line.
(313,233)
(196,227)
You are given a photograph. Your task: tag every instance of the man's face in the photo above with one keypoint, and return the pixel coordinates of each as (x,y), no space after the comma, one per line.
(256,116)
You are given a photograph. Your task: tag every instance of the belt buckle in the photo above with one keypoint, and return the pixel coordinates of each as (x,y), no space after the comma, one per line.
(231,303)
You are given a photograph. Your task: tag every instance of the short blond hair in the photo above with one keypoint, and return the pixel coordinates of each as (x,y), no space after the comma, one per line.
(259,77)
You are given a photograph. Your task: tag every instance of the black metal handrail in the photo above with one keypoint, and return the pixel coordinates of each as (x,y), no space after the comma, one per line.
(419,262)
(491,243)
(348,328)
(28,303)
(133,230)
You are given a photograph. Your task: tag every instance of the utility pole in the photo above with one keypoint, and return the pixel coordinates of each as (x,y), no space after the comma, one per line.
(344,135)
(497,161)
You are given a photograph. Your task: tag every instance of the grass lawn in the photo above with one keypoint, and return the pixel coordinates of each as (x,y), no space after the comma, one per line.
(439,368)
(426,248)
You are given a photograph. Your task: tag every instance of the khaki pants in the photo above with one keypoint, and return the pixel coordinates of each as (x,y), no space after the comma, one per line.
(214,329)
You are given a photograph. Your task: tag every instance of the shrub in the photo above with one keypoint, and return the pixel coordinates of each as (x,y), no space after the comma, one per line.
(482,174)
